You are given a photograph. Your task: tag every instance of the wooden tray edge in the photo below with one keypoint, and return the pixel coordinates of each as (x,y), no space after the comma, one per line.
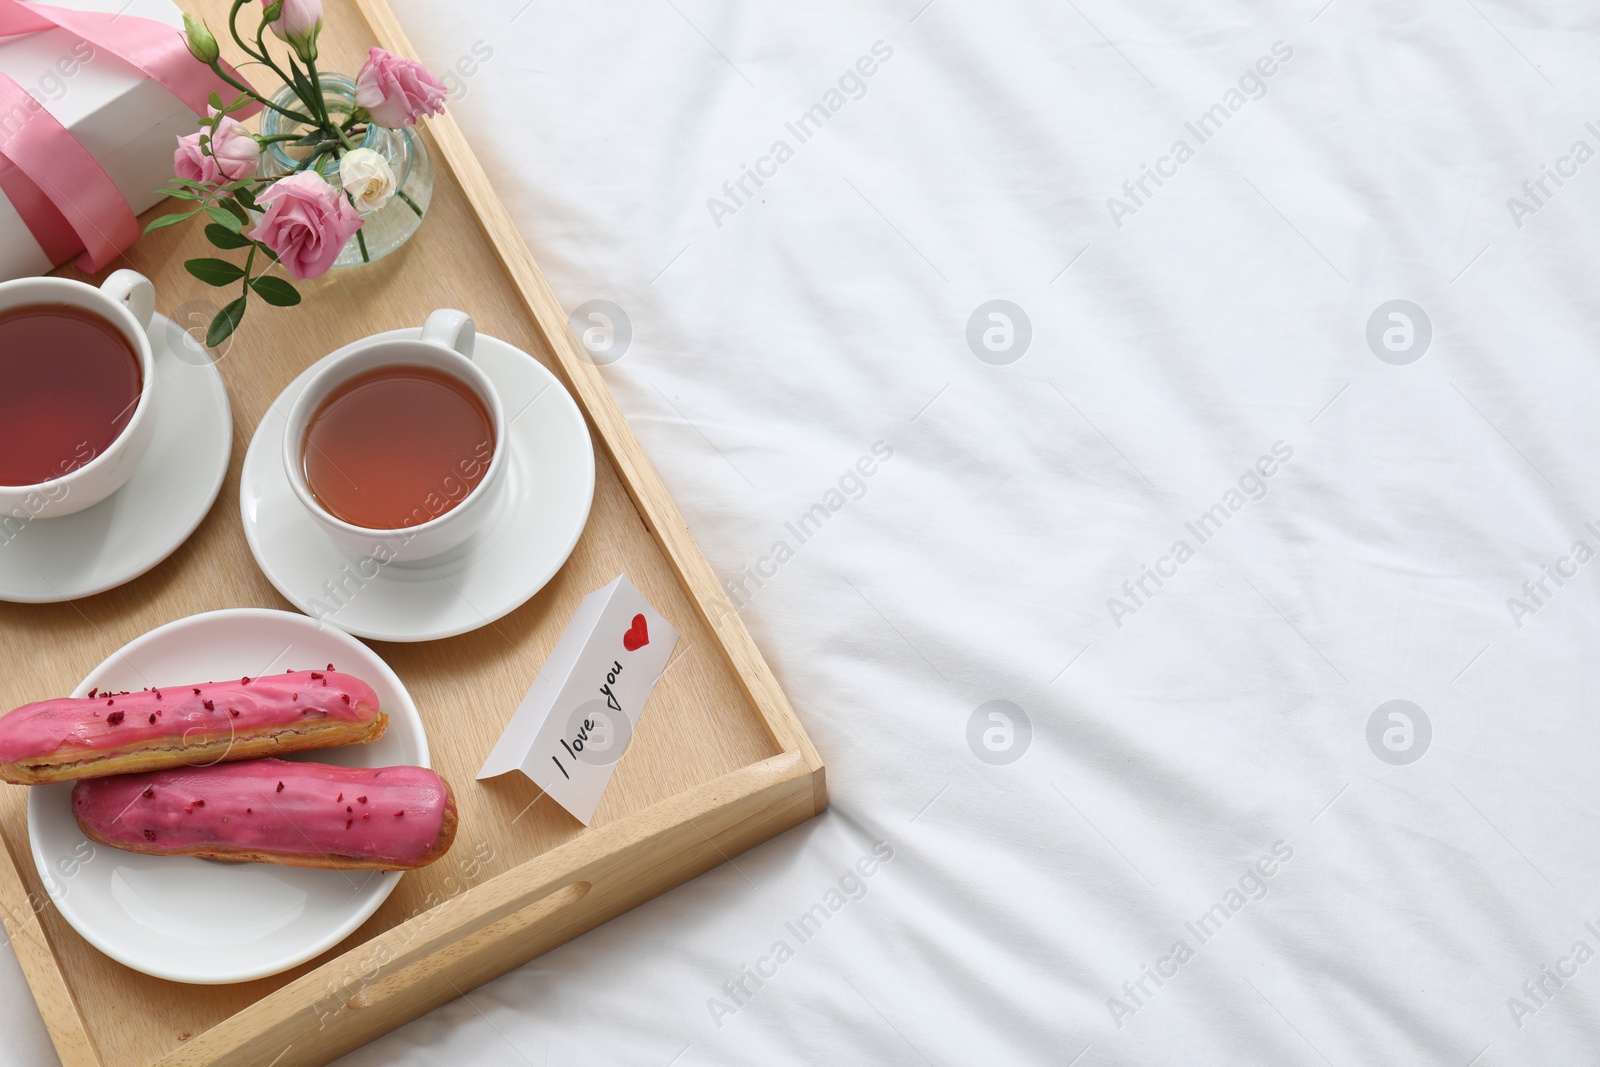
(67,1026)
(644,485)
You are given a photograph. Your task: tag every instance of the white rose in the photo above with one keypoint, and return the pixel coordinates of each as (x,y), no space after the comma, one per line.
(366,176)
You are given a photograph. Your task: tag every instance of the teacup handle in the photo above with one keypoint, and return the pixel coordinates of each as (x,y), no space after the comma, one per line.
(133,289)
(452,329)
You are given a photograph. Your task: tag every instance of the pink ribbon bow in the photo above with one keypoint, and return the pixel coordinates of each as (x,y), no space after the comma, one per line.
(63,195)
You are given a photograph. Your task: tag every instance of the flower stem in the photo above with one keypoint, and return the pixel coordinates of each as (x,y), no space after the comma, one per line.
(233,28)
(321,150)
(321,103)
(412,204)
(216,68)
(312,104)
(327,118)
(361,240)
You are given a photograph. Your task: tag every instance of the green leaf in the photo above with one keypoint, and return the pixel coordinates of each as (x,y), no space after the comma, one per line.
(276,291)
(164,221)
(188,184)
(246,198)
(215,101)
(297,78)
(217,272)
(181,194)
(226,321)
(304,87)
(314,137)
(223,217)
(234,209)
(223,237)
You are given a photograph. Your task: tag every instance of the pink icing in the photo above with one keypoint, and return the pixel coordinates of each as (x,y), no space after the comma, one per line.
(112,720)
(387,814)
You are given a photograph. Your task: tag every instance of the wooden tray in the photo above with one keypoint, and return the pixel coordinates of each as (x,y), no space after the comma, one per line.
(718,764)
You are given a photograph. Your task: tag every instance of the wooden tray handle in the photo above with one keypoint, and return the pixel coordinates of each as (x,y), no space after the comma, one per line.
(463,942)
(422,963)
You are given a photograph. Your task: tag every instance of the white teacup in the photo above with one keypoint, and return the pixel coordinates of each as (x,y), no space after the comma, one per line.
(127,301)
(445,345)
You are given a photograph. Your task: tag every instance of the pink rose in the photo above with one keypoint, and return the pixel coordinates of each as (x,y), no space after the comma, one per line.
(235,151)
(307,223)
(397,91)
(191,163)
(233,154)
(299,22)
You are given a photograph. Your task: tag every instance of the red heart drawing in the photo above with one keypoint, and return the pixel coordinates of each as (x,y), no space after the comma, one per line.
(638,636)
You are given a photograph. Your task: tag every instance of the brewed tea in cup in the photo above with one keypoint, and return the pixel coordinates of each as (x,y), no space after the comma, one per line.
(395,446)
(77,390)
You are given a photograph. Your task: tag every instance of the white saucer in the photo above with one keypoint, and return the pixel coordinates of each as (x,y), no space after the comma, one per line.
(193,920)
(157,509)
(550,485)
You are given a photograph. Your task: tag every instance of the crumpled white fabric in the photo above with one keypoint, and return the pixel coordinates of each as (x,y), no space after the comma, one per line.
(1212,848)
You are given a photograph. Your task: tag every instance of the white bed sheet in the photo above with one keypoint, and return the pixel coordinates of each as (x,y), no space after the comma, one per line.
(1202,741)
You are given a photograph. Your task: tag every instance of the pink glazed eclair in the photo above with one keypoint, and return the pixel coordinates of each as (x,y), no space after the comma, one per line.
(186,725)
(275,811)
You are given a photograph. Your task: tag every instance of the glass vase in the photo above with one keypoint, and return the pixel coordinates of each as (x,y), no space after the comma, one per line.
(390,226)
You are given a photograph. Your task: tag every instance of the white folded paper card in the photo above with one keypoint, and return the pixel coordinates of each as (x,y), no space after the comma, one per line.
(573,726)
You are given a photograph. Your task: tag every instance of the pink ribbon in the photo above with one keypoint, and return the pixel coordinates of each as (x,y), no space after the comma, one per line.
(62,194)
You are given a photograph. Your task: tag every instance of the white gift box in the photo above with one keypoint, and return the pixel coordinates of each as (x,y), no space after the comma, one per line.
(128,122)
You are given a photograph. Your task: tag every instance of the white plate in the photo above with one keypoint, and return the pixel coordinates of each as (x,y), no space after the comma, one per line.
(550,485)
(157,509)
(192,920)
